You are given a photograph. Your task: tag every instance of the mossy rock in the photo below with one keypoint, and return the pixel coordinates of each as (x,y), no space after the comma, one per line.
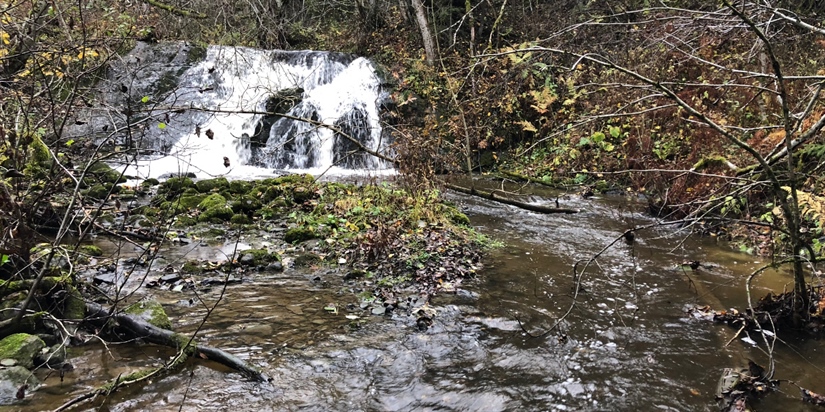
(150,182)
(192,267)
(246,204)
(258,257)
(152,312)
(175,185)
(212,201)
(191,201)
(217,214)
(100,191)
(127,195)
(299,234)
(240,187)
(266,212)
(91,250)
(295,179)
(214,232)
(301,194)
(456,217)
(215,209)
(240,219)
(74,306)
(209,185)
(146,210)
(184,221)
(11,379)
(105,173)
(307,259)
(272,192)
(172,207)
(21,347)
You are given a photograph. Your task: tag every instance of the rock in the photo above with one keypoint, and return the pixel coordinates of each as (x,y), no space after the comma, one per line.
(170,278)
(21,347)
(275,267)
(11,379)
(247,259)
(151,311)
(54,356)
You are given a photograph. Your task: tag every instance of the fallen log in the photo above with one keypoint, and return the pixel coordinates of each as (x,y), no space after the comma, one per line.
(501,199)
(139,328)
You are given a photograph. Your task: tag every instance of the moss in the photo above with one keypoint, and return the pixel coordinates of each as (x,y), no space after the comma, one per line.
(456,216)
(240,187)
(307,259)
(191,201)
(148,211)
(21,347)
(212,201)
(184,221)
(260,256)
(299,234)
(246,204)
(152,312)
(240,219)
(150,182)
(272,192)
(127,195)
(75,306)
(192,267)
(303,193)
(209,185)
(294,179)
(214,232)
(174,186)
(40,159)
(91,250)
(217,214)
(100,191)
(105,173)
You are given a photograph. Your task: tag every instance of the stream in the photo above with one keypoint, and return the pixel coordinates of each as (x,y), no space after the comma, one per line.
(629,343)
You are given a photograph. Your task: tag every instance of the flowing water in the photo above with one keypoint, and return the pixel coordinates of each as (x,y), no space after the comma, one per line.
(628,344)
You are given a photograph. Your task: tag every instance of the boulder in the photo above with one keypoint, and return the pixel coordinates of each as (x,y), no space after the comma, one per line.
(11,380)
(21,347)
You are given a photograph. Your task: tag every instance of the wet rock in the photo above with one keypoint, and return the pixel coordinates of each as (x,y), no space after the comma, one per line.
(151,311)
(11,380)
(306,259)
(21,347)
(299,234)
(275,267)
(54,356)
(170,278)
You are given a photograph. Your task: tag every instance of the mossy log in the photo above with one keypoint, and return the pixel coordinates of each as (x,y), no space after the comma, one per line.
(501,199)
(139,328)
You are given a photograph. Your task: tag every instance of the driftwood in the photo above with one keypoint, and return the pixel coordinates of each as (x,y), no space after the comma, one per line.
(141,329)
(501,199)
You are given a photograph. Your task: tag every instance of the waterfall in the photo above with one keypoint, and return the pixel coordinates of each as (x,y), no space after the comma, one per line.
(213,112)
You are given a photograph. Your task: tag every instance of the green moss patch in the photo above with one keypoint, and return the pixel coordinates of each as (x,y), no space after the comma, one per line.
(152,312)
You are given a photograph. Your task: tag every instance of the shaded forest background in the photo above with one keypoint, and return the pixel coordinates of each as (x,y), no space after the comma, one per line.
(503,83)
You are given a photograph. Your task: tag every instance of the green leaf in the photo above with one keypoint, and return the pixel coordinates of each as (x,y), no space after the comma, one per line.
(615,131)
(70,142)
(161,125)
(145,99)
(3,259)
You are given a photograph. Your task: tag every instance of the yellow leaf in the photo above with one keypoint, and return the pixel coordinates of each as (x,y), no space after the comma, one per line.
(4,37)
(527,126)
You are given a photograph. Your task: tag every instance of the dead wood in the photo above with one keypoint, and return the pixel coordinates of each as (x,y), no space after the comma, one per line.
(501,199)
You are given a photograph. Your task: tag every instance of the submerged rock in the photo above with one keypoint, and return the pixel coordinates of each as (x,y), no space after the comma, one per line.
(11,381)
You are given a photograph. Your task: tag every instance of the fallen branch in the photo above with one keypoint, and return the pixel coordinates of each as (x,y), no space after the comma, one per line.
(501,199)
(139,328)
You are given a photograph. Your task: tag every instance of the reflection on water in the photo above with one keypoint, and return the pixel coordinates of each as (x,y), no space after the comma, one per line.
(628,343)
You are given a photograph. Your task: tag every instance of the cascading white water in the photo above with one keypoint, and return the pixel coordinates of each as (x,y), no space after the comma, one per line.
(217,108)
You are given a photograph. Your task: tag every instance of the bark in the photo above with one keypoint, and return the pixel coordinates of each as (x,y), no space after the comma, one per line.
(426,33)
(141,329)
(501,199)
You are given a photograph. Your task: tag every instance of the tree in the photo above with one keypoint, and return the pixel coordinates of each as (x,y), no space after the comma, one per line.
(695,41)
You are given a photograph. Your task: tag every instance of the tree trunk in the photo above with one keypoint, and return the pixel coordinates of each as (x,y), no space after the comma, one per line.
(426,33)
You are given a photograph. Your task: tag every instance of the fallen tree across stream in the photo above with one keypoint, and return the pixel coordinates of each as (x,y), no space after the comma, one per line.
(501,199)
